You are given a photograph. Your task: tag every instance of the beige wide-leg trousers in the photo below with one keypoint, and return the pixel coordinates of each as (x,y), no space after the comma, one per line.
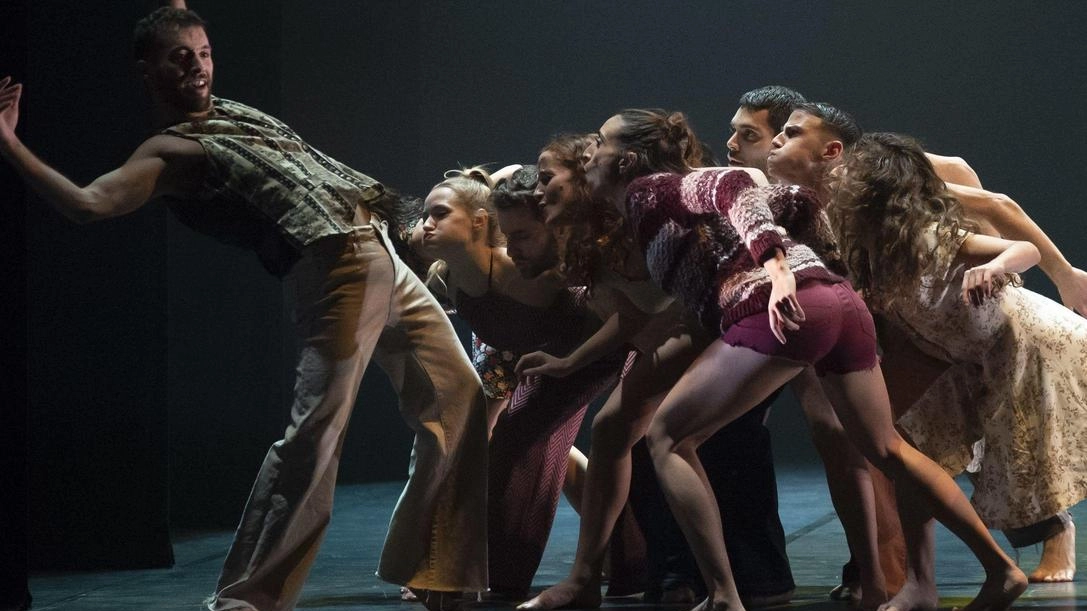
(356,298)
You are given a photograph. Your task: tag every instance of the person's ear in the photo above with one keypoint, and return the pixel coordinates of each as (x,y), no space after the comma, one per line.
(479,219)
(626,162)
(833,150)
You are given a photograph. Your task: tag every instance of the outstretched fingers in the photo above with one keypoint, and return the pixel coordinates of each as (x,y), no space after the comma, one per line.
(9,106)
(9,93)
(785,315)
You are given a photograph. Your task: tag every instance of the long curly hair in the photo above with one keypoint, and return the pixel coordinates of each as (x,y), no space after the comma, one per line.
(887,199)
(591,233)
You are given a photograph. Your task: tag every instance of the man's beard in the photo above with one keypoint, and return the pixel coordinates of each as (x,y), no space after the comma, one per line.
(191,104)
(188,103)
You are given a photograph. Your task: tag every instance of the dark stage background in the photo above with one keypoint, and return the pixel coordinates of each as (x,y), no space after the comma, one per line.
(159,362)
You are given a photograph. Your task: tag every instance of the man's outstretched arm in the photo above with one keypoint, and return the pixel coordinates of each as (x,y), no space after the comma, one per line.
(1013,223)
(161,165)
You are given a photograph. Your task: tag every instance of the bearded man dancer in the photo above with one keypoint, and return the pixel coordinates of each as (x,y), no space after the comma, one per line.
(242,176)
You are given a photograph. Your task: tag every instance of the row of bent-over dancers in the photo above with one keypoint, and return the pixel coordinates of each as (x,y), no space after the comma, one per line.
(625,265)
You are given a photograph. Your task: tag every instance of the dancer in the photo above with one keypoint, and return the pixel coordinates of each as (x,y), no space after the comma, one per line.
(799,156)
(636,315)
(711,238)
(666,339)
(515,303)
(867,518)
(241,175)
(1017,381)
(997,214)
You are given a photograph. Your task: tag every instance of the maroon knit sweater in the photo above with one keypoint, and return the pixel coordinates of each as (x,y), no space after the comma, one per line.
(706,234)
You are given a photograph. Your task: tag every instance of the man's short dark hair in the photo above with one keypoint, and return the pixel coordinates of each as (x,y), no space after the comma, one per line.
(778,100)
(837,121)
(146,35)
(519,190)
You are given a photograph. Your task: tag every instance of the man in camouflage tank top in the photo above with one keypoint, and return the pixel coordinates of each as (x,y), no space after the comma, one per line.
(246,178)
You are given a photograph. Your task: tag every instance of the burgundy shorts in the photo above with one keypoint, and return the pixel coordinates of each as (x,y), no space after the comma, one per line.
(837,335)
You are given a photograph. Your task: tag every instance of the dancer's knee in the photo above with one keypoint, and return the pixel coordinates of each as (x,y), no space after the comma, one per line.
(614,432)
(889,457)
(664,443)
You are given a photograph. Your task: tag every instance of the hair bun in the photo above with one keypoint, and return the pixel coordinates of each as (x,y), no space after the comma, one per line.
(681,134)
(477,173)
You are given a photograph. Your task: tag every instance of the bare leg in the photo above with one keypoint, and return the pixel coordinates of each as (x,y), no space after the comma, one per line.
(890,540)
(617,427)
(860,399)
(908,373)
(576,466)
(850,487)
(495,407)
(735,380)
(918,528)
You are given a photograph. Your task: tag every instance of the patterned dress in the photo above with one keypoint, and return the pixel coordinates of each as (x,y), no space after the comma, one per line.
(1011,407)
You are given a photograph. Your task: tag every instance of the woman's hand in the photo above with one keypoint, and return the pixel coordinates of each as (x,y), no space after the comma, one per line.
(542,363)
(785,311)
(977,282)
(1073,289)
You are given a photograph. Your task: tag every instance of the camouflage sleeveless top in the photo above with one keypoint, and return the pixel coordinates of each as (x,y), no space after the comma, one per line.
(266,189)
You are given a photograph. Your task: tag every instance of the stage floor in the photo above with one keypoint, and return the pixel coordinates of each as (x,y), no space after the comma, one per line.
(343,578)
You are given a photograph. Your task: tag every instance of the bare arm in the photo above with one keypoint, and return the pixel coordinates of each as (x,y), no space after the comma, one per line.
(1012,222)
(784,309)
(615,331)
(954,170)
(161,165)
(996,257)
(999,215)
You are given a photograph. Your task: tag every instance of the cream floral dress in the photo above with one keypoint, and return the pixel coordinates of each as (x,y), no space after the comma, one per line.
(1012,407)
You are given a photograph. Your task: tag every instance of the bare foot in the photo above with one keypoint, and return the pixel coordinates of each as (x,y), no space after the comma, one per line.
(999,591)
(1058,561)
(407,595)
(913,596)
(718,605)
(568,594)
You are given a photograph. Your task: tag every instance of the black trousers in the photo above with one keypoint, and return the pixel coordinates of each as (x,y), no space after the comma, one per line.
(740,466)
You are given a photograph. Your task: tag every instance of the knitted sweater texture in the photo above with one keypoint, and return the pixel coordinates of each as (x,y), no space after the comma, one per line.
(707,233)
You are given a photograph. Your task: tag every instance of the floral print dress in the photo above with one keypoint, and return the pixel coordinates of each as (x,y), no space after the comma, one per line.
(1012,407)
